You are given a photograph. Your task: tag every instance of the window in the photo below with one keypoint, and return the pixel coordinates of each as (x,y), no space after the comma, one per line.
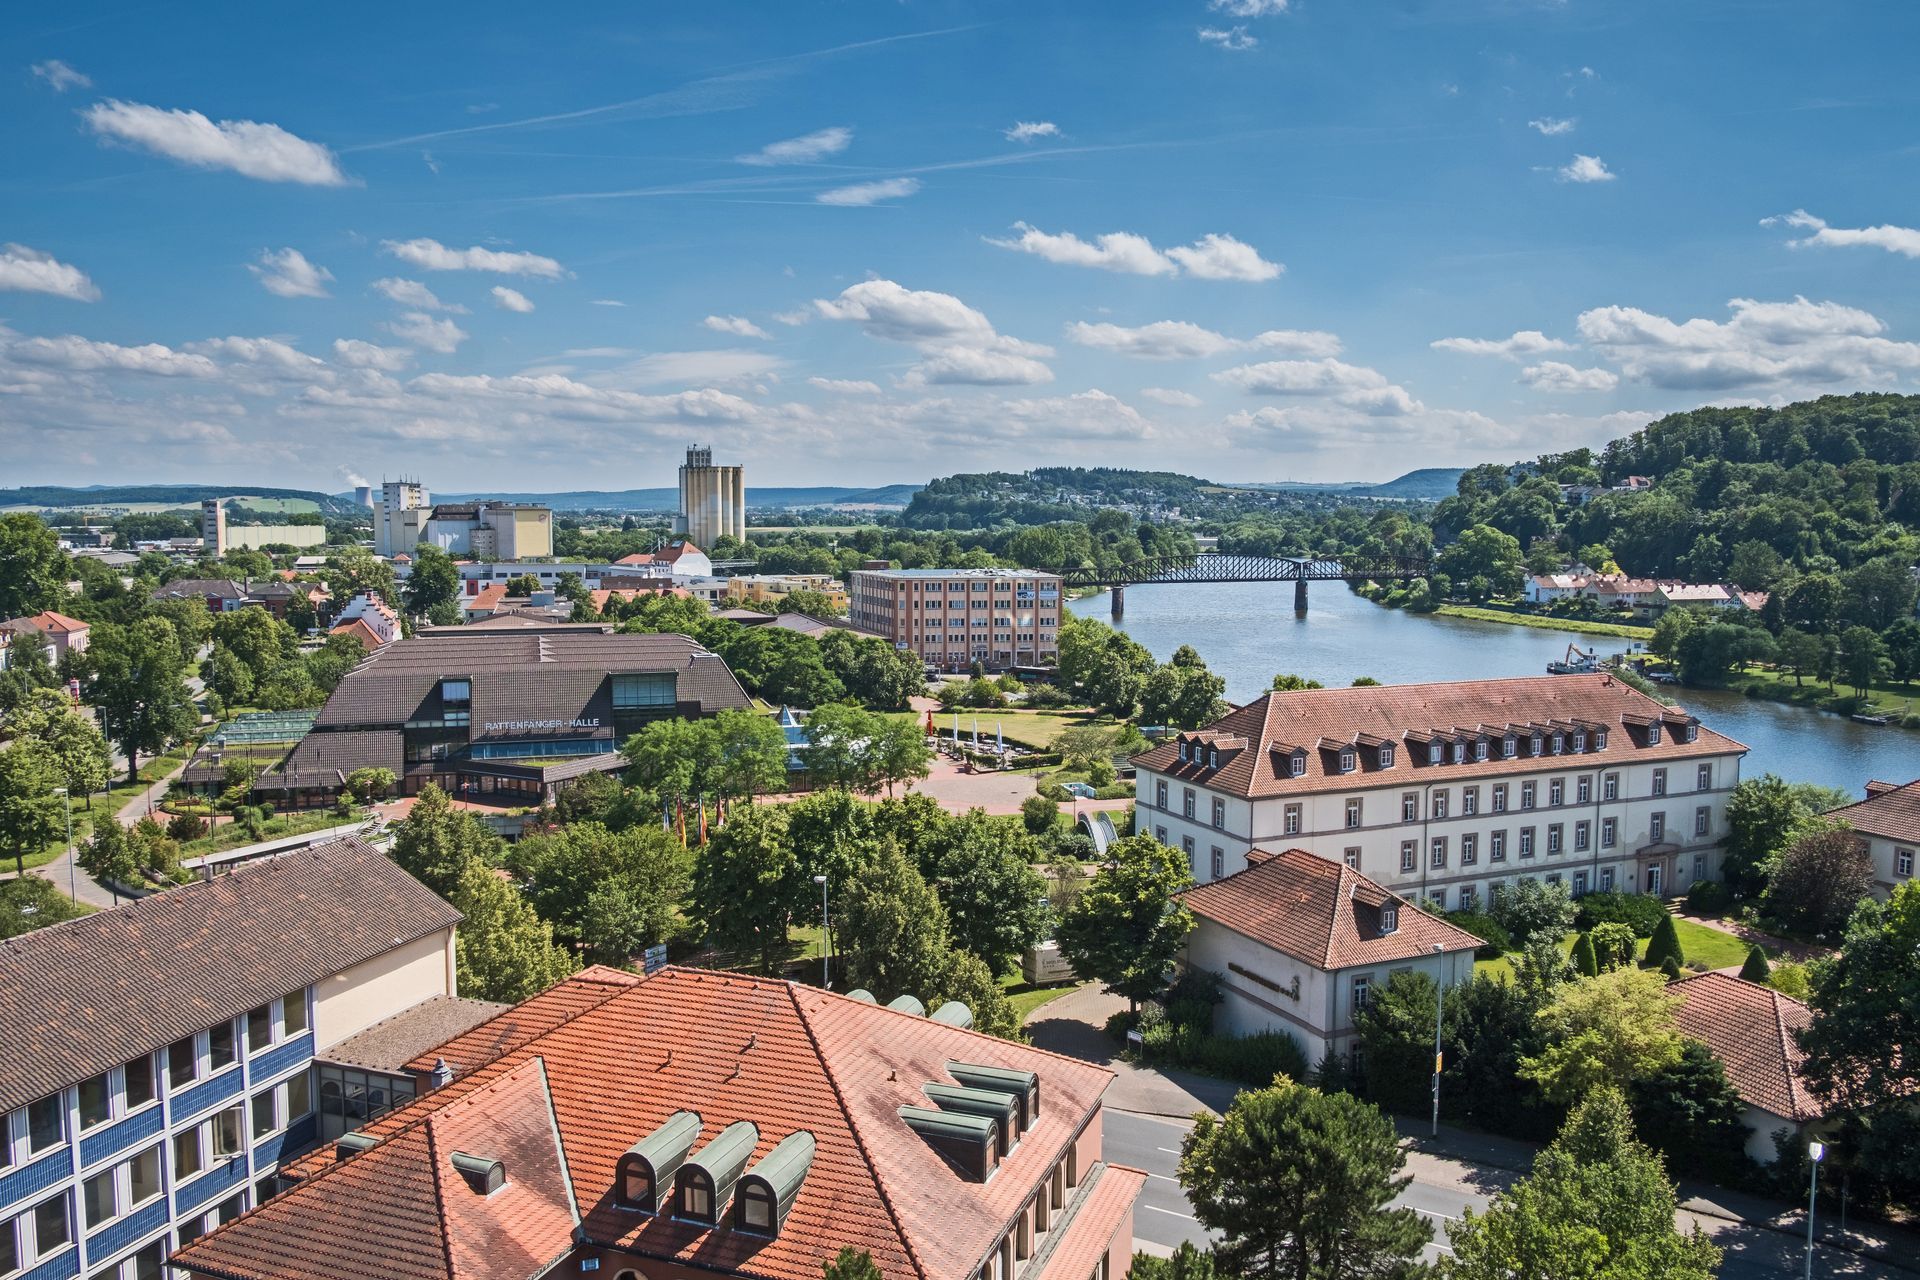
(1386,756)
(1610,786)
(1702,820)
(294,1014)
(227,1140)
(1186,846)
(1526,842)
(1499,797)
(230,1208)
(1599,739)
(263,1113)
(1554,832)
(299,1096)
(1528,793)
(1579,740)
(1579,884)
(1346,761)
(96,1101)
(1437,852)
(1509,745)
(46,1123)
(220,1046)
(1297,766)
(1290,820)
(1468,895)
(1219,862)
(1160,794)
(1353,813)
(1219,814)
(1606,879)
(1436,753)
(456,693)
(1459,752)
(139,1081)
(1160,834)
(1409,855)
(1583,789)
(51,1227)
(645,692)
(1582,836)
(1903,862)
(149,1260)
(1187,802)
(696,1195)
(1479,749)
(98,1199)
(9,1248)
(1533,744)
(1557,792)
(1469,800)
(1609,832)
(1703,778)
(1351,856)
(1657,828)
(1469,849)
(1363,987)
(1559,743)
(1660,781)
(186,1153)
(143,1177)
(1439,804)
(1497,847)
(260,1028)
(1437,900)
(636,1186)
(1410,806)
(756,1208)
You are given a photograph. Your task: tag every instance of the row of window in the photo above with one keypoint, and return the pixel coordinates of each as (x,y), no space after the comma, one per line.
(1036,1219)
(123,1090)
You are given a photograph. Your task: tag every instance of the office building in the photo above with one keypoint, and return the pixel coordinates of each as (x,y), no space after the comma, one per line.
(509,712)
(213,526)
(1442,792)
(157,1065)
(398,517)
(713,500)
(488,530)
(695,1123)
(953,618)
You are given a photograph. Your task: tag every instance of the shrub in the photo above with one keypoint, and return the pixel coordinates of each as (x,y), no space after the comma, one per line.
(1665,946)
(1789,979)
(1042,696)
(1584,961)
(1708,897)
(1642,911)
(186,828)
(1052,791)
(1670,969)
(1100,773)
(1532,909)
(1755,969)
(1484,927)
(1613,946)
(1039,814)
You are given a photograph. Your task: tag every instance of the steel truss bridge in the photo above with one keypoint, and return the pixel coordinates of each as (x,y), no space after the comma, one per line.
(1215,567)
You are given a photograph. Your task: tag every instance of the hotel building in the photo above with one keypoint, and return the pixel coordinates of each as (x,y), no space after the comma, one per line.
(953,618)
(1442,792)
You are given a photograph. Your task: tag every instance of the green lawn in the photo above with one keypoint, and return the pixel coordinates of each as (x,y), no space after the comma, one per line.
(1025,997)
(1545,621)
(106,804)
(1704,949)
(1885,697)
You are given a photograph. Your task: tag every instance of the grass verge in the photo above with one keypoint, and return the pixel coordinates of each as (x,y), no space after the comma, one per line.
(1545,622)
(1704,948)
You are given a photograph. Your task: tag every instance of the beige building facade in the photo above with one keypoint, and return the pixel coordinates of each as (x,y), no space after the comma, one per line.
(953,618)
(713,499)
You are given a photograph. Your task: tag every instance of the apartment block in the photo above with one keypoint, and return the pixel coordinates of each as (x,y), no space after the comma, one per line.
(953,618)
(1442,792)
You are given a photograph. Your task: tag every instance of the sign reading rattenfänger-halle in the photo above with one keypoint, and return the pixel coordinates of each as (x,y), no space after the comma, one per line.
(535,726)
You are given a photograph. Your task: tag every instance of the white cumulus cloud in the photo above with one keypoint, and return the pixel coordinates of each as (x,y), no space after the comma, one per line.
(31,271)
(1218,257)
(60,76)
(738,326)
(83,355)
(1212,257)
(846,386)
(1028,130)
(423,330)
(804,149)
(431,255)
(510,299)
(1762,344)
(1586,169)
(1248,8)
(1182,340)
(1172,396)
(866,193)
(1552,375)
(957,343)
(1552,126)
(411,293)
(1904,241)
(366,355)
(286,273)
(263,151)
(1527,342)
(1235,38)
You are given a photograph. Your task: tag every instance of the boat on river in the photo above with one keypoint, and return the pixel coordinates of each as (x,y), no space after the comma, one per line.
(1578,662)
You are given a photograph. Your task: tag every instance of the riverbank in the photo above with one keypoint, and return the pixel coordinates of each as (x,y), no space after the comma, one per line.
(1544,621)
(1888,699)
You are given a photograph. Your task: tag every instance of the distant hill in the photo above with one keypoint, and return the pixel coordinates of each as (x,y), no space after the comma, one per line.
(1427,482)
(778,499)
(61,497)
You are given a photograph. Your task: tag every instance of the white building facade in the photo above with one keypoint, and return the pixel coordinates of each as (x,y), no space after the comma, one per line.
(1443,792)
(1887,824)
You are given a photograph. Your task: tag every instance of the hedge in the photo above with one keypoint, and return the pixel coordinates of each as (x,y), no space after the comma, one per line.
(1643,911)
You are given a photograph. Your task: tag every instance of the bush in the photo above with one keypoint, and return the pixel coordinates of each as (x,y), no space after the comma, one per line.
(1252,1060)
(1484,927)
(1039,814)
(1043,696)
(186,828)
(1613,946)
(1585,963)
(1532,909)
(1755,969)
(1052,791)
(1642,911)
(1670,969)
(1708,897)
(1665,946)
(1100,773)
(1789,979)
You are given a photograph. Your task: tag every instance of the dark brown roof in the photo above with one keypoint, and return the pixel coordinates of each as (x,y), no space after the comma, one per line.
(391,1043)
(88,994)
(1419,713)
(1890,812)
(522,675)
(200,588)
(323,759)
(1321,912)
(1750,1028)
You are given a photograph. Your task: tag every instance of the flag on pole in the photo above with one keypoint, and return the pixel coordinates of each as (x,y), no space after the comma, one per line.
(702,802)
(680,818)
(999,741)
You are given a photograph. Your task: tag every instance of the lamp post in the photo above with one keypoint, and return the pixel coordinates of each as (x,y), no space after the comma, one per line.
(66,803)
(1816,1151)
(826,932)
(1439,1006)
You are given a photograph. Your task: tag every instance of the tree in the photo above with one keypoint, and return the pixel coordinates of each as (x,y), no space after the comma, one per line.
(70,742)
(258,639)
(1865,1001)
(502,949)
(1761,815)
(31,815)
(1755,969)
(1530,908)
(435,842)
(1081,744)
(744,885)
(1799,652)
(1127,927)
(136,678)
(1610,1030)
(851,1264)
(1819,876)
(28,672)
(1863,655)
(31,902)
(1583,957)
(370,783)
(1040,815)
(1297,1182)
(112,856)
(1484,551)
(1664,945)
(969,981)
(996,902)
(613,893)
(1183,693)
(897,753)
(1286,682)
(1815,603)
(435,580)
(747,756)
(896,929)
(1396,1039)
(1596,1206)
(1187,1263)
(1690,1113)
(522,584)
(1613,943)
(33,569)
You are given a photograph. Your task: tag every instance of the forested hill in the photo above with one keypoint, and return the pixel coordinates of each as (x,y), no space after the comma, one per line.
(63,497)
(1753,495)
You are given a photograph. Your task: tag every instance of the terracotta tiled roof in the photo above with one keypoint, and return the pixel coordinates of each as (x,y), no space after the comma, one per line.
(80,997)
(360,631)
(1750,1028)
(1083,1240)
(1892,813)
(1417,711)
(49,621)
(487,597)
(730,1048)
(1321,912)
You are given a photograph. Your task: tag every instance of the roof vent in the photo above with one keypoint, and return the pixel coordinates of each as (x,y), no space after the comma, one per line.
(1023,1085)
(352,1144)
(767,1191)
(442,1073)
(654,1160)
(954,1014)
(482,1173)
(908,1004)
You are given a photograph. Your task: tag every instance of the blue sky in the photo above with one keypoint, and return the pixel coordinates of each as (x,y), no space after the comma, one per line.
(544,246)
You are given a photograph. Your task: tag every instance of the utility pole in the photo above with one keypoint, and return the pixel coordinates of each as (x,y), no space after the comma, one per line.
(1439,1007)
(826,933)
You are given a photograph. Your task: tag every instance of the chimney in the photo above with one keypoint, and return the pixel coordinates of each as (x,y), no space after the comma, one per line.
(442,1075)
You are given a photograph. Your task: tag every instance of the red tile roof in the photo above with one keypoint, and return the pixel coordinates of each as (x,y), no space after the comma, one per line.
(728,1047)
(49,621)
(1320,911)
(1090,1233)
(1890,812)
(1750,1028)
(1310,717)
(360,631)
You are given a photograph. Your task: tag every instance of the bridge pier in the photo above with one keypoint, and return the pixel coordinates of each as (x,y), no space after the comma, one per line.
(1300,595)
(1119,601)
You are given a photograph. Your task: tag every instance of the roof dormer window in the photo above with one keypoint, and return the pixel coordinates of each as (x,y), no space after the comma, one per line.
(1297,764)
(1537,743)
(1599,739)
(1213,757)
(1579,741)
(1689,731)
(1459,752)
(1346,760)
(1437,753)
(1386,756)
(1509,747)
(1479,749)
(1653,734)
(1184,757)
(1389,918)
(1559,743)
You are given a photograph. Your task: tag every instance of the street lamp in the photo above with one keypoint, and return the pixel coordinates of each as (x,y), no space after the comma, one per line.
(66,802)
(1816,1151)
(826,932)
(1439,1006)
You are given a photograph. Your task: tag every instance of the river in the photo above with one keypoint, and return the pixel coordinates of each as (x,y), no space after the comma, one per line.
(1248,632)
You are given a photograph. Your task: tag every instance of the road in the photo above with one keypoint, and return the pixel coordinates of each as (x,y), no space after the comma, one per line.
(1440,1190)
